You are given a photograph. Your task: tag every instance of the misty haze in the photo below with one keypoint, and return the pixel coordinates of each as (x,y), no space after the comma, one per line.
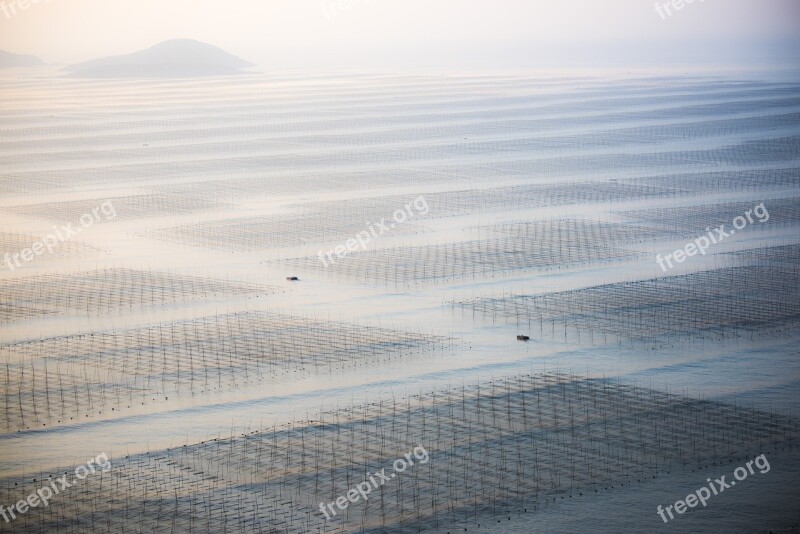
(372,266)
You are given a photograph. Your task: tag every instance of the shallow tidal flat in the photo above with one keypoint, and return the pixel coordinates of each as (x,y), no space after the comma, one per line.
(429,221)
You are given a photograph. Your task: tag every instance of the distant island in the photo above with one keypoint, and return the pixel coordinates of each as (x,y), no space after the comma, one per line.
(171,59)
(9,60)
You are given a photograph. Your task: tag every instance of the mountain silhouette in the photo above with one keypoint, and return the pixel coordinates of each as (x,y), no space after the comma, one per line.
(9,60)
(170,59)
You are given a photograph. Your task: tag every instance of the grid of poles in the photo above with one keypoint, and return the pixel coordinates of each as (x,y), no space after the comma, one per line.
(103,290)
(75,378)
(495,451)
(498,250)
(782,211)
(731,301)
(12,243)
(127,207)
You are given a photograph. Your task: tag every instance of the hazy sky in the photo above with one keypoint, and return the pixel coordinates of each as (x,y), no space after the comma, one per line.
(334,34)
